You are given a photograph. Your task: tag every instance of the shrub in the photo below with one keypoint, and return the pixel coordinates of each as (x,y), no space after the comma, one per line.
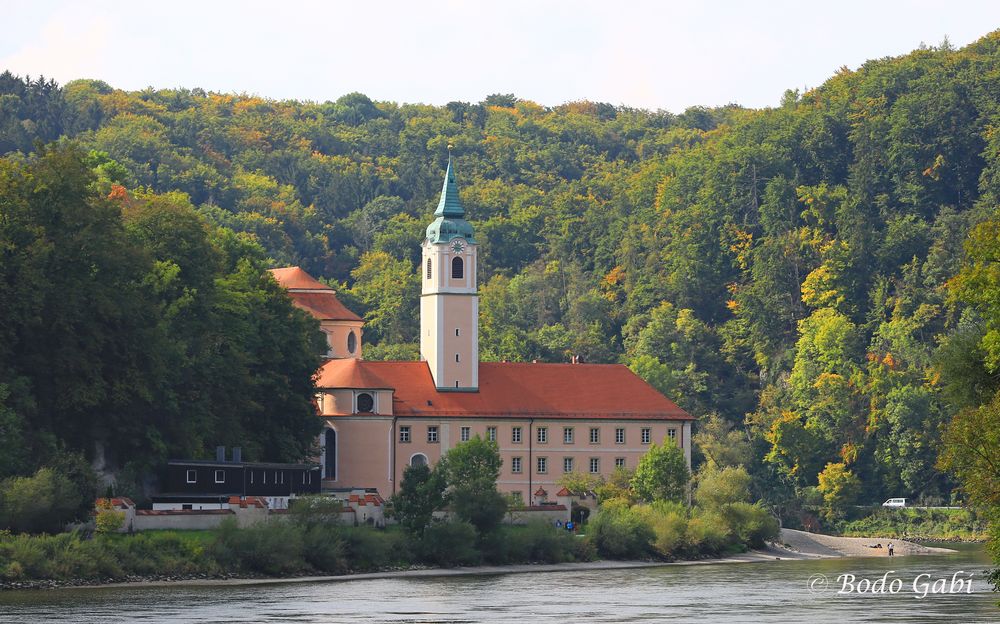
(315,510)
(539,542)
(450,544)
(324,549)
(108,519)
(63,556)
(368,549)
(271,548)
(669,524)
(719,487)
(42,503)
(618,532)
(161,552)
(750,525)
(707,532)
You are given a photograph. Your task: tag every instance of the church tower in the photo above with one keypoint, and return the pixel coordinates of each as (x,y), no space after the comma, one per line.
(449,303)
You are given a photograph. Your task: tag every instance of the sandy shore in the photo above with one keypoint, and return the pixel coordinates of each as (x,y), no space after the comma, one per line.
(817,545)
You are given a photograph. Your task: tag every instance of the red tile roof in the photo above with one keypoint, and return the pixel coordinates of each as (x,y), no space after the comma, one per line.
(564,492)
(540,492)
(323,304)
(248,501)
(586,391)
(367,499)
(539,508)
(294,277)
(183,512)
(352,373)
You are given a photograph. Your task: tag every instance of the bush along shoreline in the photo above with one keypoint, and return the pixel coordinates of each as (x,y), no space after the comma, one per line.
(309,541)
(293,549)
(920,525)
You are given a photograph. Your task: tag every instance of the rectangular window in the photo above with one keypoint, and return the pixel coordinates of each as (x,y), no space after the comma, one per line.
(517,497)
(645,435)
(220,476)
(620,435)
(515,435)
(595,465)
(187,507)
(567,464)
(251,476)
(672,435)
(567,435)
(404,433)
(263,473)
(515,465)
(192,476)
(595,435)
(619,462)
(466,433)
(543,465)
(543,435)
(491,434)
(456,331)
(432,433)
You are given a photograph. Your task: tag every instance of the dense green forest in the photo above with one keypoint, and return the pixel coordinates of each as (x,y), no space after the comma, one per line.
(816,282)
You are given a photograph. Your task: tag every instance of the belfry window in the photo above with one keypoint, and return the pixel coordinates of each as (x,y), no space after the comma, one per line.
(457,268)
(352,342)
(428,268)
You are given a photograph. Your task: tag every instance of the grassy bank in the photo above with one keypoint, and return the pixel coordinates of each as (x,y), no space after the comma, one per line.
(287,549)
(920,524)
(274,549)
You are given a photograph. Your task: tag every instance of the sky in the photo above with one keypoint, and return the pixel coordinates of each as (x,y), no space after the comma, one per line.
(657,55)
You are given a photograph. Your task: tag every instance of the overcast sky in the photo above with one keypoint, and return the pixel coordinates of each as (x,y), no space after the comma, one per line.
(665,54)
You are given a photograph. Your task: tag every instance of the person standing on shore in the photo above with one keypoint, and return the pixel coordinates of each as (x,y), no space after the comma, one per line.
(890,549)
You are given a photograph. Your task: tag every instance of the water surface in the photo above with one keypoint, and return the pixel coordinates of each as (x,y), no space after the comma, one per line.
(724,592)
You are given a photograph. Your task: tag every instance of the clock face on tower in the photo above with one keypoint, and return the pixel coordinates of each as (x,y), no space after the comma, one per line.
(457,245)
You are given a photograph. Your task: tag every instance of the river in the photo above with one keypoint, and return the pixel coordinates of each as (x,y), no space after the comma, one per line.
(725,592)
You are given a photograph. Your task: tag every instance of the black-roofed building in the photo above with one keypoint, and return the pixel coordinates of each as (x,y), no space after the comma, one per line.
(208,484)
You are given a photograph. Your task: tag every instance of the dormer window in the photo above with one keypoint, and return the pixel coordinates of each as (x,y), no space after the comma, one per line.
(457,268)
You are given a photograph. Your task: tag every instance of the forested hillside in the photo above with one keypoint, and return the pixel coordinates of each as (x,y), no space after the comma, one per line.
(787,275)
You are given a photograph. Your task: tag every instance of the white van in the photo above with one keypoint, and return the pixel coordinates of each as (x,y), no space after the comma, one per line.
(895,502)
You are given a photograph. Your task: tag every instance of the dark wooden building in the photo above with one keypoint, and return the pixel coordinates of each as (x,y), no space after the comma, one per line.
(207,484)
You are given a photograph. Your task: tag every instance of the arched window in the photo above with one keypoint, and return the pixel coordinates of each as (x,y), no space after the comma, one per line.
(428,268)
(352,342)
(418,460)
(330,454)
(457,268)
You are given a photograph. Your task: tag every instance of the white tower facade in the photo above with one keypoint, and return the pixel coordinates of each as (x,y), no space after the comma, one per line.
(449,300)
